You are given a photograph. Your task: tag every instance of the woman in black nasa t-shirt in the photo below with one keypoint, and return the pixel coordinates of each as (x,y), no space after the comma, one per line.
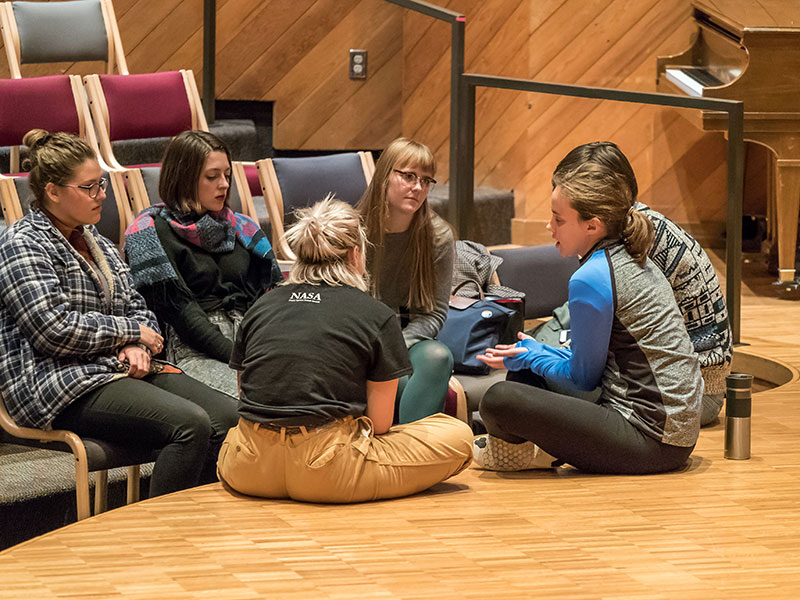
(318,361)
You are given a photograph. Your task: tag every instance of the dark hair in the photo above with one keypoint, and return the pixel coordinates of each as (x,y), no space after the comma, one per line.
(52,158)
(182,166)
(425,226)
(599,182)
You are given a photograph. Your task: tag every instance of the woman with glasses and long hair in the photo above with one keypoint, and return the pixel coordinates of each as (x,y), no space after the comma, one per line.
(199,264)
(410,260)
(319,362)
(76,339)
(628,338)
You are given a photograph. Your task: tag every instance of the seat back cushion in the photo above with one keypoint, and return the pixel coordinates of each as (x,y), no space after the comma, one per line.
(539,271)
(306,181)
(60,31)
(146,105)
(36,103)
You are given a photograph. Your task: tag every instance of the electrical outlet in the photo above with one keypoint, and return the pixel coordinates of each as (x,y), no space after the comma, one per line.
(358,64)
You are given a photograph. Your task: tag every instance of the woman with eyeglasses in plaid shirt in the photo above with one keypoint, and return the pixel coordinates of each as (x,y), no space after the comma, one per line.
(76,339)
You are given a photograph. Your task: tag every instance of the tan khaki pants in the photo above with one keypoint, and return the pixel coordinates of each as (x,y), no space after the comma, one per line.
(343,461)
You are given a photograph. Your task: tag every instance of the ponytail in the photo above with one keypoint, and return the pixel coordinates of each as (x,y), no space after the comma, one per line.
(637,235)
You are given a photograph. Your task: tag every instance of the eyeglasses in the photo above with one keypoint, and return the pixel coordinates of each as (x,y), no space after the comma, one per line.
(91,188)
(411,178)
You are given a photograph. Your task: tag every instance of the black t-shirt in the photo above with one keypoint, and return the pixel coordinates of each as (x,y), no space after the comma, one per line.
(307,351)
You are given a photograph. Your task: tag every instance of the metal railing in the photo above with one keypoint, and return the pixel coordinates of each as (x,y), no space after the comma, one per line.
(458,24)
(465,160)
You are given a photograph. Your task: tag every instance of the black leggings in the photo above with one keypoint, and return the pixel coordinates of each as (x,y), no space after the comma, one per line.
(591,437)
(182,417)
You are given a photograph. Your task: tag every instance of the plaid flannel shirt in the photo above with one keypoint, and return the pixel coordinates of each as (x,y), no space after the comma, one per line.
(60,328)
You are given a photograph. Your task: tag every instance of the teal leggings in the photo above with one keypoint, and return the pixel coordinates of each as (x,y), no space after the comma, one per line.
(423,392)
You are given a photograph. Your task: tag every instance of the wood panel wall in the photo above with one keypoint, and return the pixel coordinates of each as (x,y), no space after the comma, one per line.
(294,52)
(520,137)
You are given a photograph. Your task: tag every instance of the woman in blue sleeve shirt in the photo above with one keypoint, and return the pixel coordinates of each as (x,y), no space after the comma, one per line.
(628,337)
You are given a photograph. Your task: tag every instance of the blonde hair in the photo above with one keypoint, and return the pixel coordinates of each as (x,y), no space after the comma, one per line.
(425,226)
(599,182)
(322,238)
(52,158)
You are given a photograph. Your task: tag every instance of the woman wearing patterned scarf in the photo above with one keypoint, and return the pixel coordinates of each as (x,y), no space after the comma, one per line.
(198,264)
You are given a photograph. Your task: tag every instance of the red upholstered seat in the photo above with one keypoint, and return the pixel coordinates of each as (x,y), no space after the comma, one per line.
(53,103)
(251,172)
(146,105)
(36,103)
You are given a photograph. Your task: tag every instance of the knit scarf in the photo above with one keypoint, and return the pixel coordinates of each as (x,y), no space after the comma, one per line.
(215,232)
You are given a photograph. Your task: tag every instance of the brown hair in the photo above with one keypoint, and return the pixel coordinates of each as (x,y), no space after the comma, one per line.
(425,226)
(322,237)
(52,158)
(599,181)
(182,167)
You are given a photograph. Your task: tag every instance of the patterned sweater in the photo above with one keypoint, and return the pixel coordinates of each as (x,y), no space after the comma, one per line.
(697,291)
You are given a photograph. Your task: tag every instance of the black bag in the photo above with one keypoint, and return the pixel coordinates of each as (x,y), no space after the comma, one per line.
(472,326)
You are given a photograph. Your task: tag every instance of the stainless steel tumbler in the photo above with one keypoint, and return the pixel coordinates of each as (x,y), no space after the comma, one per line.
(738,404)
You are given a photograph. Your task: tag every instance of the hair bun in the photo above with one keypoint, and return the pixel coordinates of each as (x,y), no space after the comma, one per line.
(36,138)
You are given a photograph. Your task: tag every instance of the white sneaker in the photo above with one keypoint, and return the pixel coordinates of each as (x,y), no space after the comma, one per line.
(495,454)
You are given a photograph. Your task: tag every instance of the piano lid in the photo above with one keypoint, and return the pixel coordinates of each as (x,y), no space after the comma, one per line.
(738,16)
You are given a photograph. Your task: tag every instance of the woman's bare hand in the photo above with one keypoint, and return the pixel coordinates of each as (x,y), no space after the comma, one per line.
(151,338)
(138,359)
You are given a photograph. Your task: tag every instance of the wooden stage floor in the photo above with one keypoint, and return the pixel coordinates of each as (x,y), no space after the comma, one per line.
(719,529)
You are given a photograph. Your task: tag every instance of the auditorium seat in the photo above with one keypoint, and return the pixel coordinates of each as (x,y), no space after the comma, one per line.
(91,456)
(53,103)
(69,31)
(292,183)
(144,105)
(543,274)
(148,106)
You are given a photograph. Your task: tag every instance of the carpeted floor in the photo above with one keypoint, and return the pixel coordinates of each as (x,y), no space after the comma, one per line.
(37,491)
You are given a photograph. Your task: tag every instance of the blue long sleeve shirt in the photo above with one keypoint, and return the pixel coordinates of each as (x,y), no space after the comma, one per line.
(591,308)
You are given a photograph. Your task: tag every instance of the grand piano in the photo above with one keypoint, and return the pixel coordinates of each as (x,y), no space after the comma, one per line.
(749,50)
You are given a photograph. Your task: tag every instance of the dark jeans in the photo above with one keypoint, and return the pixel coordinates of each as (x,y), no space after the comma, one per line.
(186,419)
(592,437)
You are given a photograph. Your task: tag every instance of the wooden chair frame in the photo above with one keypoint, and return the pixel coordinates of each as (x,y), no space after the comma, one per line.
(78,450)
(11,40)
(99,112)
(9,200)
(273,198)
